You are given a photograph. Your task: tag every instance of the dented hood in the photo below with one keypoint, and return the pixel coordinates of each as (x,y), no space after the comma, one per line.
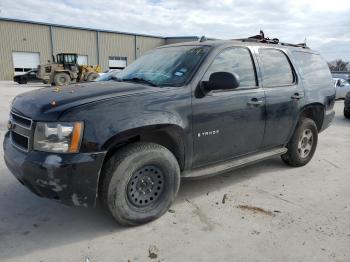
(47,104)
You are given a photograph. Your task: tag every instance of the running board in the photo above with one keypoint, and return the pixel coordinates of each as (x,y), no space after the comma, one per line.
(232,164)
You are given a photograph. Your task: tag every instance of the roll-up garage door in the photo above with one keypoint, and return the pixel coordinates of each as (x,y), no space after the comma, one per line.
(82,60)
(117,62)
(25,61)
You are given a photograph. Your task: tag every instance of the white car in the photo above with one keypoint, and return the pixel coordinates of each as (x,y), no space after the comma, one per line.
(109,71)
(107,75)
(342,87)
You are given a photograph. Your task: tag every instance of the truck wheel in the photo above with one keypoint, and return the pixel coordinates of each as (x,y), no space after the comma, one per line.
(140,182)
(61,79)
(92,76)
(302,145)
(23,81)
(347,113)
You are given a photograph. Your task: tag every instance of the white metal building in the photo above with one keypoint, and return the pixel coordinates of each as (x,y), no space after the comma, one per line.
(26,44)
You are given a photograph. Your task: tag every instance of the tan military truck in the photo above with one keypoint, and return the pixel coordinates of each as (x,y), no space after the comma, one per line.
(65,70)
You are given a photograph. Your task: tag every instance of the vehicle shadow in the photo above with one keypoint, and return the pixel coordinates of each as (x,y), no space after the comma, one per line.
(340,120)
(29,223)
(195,188)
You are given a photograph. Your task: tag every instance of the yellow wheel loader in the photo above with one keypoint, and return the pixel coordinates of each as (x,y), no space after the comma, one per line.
(65,70)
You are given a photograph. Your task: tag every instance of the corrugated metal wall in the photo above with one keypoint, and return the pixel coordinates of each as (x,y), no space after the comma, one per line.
(112,44)
(174,40)
(32,37)
(82,42)
(146,43)
(22,37)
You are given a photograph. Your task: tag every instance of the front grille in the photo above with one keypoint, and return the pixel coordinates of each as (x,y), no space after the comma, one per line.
(21,131)
(21,120)
(20,140)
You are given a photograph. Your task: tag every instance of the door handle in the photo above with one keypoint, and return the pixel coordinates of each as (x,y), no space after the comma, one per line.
(256,102)
(297,96)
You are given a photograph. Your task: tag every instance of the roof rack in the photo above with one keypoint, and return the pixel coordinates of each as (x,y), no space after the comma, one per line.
(260,38)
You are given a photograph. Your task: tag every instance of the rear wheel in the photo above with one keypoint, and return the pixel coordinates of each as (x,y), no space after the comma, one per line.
(61,79)
(140,182)
(347,112)
(302,145)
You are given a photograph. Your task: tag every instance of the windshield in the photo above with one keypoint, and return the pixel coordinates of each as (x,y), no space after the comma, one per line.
(169,66)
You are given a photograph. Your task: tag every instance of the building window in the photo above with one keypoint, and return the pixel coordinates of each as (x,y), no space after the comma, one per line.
(117,62)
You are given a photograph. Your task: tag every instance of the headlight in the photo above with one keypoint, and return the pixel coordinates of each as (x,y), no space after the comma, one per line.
(58,137)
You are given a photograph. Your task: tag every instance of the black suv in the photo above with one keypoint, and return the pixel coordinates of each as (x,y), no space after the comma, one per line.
(180,111)
(29,76)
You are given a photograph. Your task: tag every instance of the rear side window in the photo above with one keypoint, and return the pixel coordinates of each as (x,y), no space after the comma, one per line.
(275,67)
(234,60)
(315,70)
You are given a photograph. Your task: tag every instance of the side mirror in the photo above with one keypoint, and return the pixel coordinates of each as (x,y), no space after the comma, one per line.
(222,81)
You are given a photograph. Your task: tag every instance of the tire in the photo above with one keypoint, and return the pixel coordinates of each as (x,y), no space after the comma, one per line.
(22,81)
(91,76)
(129,179)
(302,145)
(61,79)
(346,113)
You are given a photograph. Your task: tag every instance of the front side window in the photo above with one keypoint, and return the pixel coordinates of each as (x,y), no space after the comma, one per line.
(168,66)
(275,67)
(235,60)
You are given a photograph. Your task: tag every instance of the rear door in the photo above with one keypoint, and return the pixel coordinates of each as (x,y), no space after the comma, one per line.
(284,95)
(229,123)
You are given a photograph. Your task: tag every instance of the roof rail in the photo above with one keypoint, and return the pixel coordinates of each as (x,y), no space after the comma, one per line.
(260,38)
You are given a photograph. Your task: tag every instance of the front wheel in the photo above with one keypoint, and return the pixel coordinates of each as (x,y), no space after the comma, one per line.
(302,145)
(140,182)
(92,76)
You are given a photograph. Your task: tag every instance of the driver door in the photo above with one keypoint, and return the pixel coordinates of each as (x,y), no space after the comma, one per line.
(229,123)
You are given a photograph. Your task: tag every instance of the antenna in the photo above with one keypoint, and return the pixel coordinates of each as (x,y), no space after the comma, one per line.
(202,39)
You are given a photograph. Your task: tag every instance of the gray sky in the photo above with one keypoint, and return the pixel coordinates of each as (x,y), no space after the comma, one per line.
(324,24)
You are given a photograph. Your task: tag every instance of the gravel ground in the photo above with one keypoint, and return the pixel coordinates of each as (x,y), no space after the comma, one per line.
(265,212)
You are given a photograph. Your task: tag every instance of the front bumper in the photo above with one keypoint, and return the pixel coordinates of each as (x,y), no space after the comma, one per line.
(69,178)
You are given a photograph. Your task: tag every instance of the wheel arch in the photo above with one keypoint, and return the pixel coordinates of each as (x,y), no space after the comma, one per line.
(69,73)
(168,135)
(314,111)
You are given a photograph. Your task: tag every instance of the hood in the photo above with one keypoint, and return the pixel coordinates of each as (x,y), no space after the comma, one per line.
(48,103)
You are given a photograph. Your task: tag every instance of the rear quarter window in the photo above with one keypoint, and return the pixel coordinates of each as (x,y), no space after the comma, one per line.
(313,68)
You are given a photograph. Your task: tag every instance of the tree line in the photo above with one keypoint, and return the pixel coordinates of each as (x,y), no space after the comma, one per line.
(339,65)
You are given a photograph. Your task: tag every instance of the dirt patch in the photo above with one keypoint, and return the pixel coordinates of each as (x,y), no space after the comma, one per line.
(153,252)
(224,198)
(256,210)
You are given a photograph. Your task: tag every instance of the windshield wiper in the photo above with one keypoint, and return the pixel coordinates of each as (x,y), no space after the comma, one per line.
(139,80)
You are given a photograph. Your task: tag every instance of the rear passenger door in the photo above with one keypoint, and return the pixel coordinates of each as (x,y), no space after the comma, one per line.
(229,123)
(284,96)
